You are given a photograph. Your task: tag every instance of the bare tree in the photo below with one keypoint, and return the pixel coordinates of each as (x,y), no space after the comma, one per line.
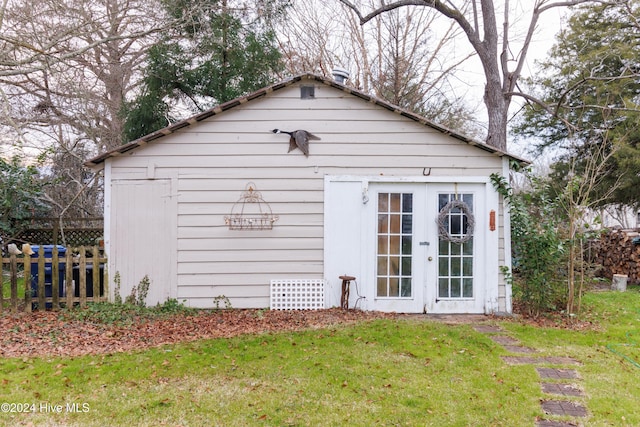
(492,43)
(399,58)
(66,68)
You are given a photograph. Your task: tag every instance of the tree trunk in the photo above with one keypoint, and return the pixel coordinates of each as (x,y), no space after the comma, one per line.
(497,110)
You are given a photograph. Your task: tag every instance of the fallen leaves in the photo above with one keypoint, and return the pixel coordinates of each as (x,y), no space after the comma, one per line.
(46,333)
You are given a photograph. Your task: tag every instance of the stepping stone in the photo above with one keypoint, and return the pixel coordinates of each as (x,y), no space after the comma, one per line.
(488,329)
(520,360)
(547,423)
(523,360)
(562,389)
(504,340)
(520,349)
(564,407)
(557,374)
(561,360)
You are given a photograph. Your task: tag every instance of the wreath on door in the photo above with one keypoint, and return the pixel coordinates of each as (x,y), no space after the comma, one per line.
(443,223)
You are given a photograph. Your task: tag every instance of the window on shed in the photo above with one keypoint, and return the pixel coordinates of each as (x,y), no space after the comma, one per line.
(307,92)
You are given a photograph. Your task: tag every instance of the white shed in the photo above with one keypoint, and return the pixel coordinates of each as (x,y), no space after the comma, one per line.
(216,206)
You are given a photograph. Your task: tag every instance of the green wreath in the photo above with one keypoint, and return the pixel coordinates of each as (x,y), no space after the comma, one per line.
(443,225)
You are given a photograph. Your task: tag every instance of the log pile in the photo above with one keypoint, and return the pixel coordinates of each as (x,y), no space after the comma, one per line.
(618,254)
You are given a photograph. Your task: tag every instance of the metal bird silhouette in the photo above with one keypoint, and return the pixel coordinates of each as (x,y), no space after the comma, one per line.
(298,139)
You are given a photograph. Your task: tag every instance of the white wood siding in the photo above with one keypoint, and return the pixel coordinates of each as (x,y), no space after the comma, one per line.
(213,160)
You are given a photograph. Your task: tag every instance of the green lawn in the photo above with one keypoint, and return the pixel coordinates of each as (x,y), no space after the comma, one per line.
(386,372)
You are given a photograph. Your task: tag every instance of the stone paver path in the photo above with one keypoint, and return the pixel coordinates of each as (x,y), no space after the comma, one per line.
(548,423)
(562,389)
(557,374)
(564,407)
(522,360)
(554,379)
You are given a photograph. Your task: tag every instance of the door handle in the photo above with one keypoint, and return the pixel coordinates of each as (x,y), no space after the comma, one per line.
(430,258)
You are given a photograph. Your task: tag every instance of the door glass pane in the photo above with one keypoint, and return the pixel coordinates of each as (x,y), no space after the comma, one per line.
(395,245)
(405,287)
(455,288)
(394,248)
(406,245)
(407,202)
(383,244)
(406,266)
(455,260)
(394,286)
(383,223)
(443,287)
(395,202)
(467,288)
(382,286)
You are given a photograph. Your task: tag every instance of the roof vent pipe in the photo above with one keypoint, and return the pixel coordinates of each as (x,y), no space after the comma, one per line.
(340,75)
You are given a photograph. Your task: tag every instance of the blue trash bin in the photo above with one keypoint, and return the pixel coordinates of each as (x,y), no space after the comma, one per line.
(48,270)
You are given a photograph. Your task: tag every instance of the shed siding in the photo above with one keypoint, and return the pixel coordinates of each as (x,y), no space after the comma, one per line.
(213,161)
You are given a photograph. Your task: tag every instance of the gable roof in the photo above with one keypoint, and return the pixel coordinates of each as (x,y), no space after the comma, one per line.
(141,142)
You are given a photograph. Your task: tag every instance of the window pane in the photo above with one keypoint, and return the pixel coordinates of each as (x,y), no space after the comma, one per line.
(382,266)
(443,247)
(382,287)
(395,202)
(407,203)
(394,287)
(406,287)
(394,248)
(443,288)
(443,266)
(467,288)
(455,225)
(468,199)
(383,202)
(407,224)
(467,247)
(383,223)
(406,266)
(395,224)
(456,270)
(406,245)
(394,266)
(456,248)
(443,199)
(455,288)
(467,266)
(383,245)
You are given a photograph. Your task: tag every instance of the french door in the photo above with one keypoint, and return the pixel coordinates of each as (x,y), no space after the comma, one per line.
(426,256)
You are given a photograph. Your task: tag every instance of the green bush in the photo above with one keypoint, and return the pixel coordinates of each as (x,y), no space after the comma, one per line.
(538,248)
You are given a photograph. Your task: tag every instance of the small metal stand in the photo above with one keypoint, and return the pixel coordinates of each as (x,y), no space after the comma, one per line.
(346,283)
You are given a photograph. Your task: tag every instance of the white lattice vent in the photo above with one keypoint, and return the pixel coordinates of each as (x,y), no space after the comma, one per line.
(297,294)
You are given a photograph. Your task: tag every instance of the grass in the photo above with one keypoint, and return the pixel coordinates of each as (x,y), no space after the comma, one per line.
(402,372)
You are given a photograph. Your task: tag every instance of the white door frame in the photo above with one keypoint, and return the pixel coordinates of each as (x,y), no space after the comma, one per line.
(360,214)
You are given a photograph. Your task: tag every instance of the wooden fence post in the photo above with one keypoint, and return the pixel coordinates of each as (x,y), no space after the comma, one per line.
(55,278)
(28,293)
(68,279)
(14,283)
(41,281)
(96,274)
(1,284)
(82,281)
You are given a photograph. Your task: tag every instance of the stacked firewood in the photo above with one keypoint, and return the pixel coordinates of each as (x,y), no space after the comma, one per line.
(618,253)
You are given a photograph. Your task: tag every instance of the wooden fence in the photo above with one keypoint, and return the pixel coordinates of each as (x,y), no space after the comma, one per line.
(53,279)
